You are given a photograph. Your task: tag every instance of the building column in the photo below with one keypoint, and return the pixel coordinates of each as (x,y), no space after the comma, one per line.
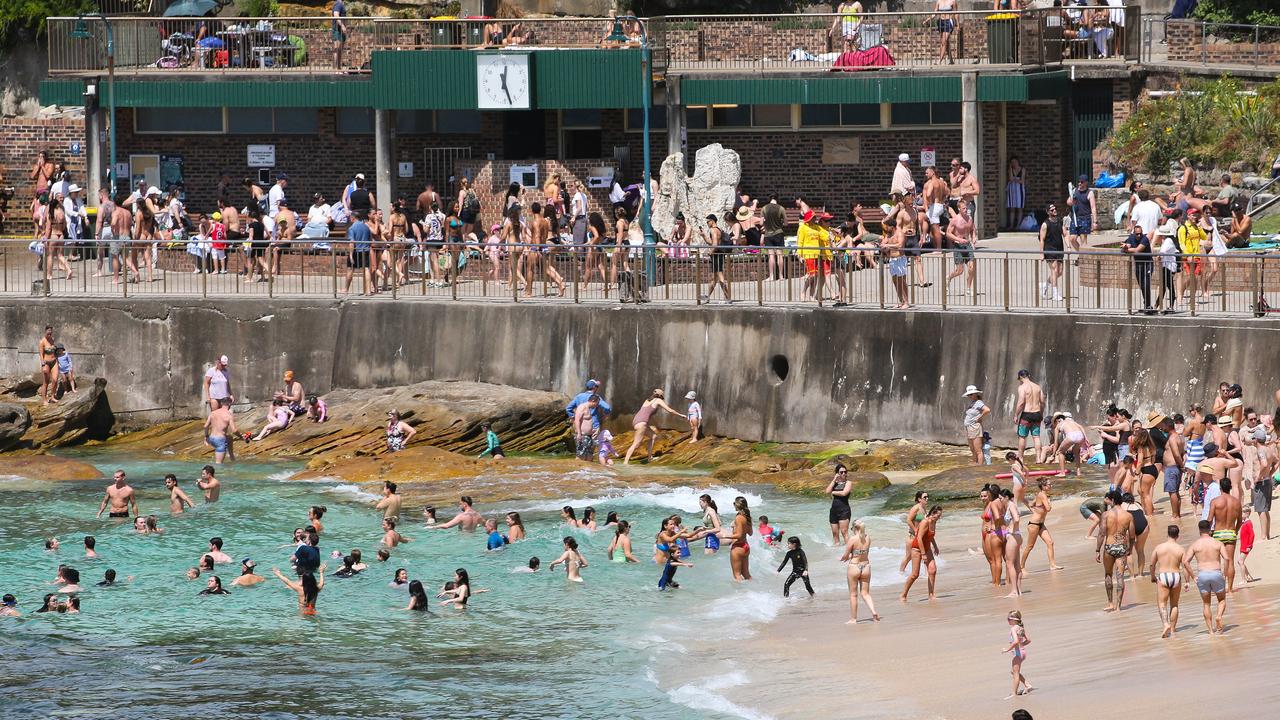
(384,156)
(94,162)
(971,140)
(676,121)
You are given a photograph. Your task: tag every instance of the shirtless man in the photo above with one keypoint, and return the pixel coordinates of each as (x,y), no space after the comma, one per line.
(1115,539)
(1210,556)
(47,364)
(295,396)
(1175,454)
(120,497)
(211,486)
(966,187)
(1212,471)
(584,427)
(231,219)
(390,502)
(286,228)
(935,203)
(145,210)
(1224,518)
(219,430)
(1172,575)
(177,498)
(248,578)
(427,199)
(467,518)
(122,243)
(215,551)
(1029,409)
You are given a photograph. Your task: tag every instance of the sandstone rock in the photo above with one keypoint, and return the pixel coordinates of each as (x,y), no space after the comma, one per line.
(711,190)
(56,424)
(446,414)
(47,467)
(14,421)
(959,487)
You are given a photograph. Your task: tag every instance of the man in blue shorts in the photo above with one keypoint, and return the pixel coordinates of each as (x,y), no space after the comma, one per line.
(1029,409)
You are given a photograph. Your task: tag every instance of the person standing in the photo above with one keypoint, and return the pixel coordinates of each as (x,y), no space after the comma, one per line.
(1018,642)
(902,180)
(1084,208)
(338,32)
(775,219)
(1210,556)
(220,431)
(974,414)
(361,238)
(849,21)
(47,352)
(1225,518)
(210,484)
(857,553)
(721,245)
(1116,537)
(960,231)
(1029,409)
(217,384)
(119,498)
(813,246)
(1138,245)
(398,432)
(799,567)
(1015,194)
(1051,248)
(694,414)
(1168,565)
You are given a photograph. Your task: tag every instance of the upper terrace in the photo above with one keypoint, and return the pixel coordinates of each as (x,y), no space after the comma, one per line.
(687,44)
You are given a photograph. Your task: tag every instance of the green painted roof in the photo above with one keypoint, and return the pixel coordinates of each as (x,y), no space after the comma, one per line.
(217,93)
(867,88)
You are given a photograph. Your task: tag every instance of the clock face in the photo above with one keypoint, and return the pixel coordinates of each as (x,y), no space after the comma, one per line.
(502,82)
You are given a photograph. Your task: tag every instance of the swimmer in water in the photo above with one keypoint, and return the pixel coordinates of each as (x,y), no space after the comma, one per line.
(532,567)
(9,606)
(193,573)
(467,518)
(418,598)
(206,563)
(515,527)
(666,553)
(496,540)
(569,517)
(711,521)
(588,519)
(458,595)
(214,587)
(108,578)
(211,486)
(308,588)
(215,551)
(571,559)
(89,544)
(739,550)
(177,498)
(620,546)
(247,577)
(72,576)
(401,579)
(52,544)
(383,554)
(429,516)
(314,513)
(390,537)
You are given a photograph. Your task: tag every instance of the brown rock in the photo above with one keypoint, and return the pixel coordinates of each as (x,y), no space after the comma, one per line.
(70,420)
(47,467)
(14,421)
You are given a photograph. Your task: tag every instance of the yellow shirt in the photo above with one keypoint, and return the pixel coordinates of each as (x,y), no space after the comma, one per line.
(1190,237)
(812,242)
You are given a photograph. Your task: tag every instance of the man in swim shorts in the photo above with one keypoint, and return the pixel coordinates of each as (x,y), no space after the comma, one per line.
(1210,555)
(935,203)
(1115,536)
(211,486)
(1029,409)
(1224,518)
(1170,573)
(120,497)
(1175,454)
(177,498)
(216,428)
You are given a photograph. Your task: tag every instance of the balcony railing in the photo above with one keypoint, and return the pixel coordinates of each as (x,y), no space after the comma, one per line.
(288,45)
(1099,281)
(1204,43)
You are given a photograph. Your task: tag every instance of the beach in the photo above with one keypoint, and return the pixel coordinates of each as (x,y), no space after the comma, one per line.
(942,659)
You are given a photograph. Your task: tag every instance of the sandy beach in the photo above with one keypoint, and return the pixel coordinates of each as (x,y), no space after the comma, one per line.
(942,659)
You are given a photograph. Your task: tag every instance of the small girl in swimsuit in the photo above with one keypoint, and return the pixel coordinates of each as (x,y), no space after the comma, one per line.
(1018,642)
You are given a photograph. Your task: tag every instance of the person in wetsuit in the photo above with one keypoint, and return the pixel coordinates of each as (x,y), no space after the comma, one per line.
(799,567)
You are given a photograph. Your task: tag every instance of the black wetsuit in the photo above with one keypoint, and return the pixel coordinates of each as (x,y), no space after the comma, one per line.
(799,564)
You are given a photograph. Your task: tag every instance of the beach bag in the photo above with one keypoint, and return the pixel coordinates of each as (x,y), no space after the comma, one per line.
(471,203)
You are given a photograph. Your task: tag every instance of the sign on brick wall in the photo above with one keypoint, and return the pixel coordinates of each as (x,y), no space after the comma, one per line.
(262,156)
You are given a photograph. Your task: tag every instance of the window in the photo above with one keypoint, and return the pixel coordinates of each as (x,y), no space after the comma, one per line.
(696,118)
(178,120)
(771,116)
(355,121)
(580,119)
(582,144)
(731,116)
(863,115)
(249,121)
(925,114)
(657,118)
(457,122)
(297,121)
(414,122)
(819,115)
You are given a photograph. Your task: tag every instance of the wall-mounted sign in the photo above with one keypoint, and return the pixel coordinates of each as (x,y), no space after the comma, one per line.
(526,175)
(406,169)
(261,156)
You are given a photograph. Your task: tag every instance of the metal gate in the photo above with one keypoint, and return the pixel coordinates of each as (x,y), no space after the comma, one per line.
(438,165)
(1089,130)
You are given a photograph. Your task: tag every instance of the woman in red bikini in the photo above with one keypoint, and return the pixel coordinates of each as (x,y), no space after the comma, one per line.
(739,551)
(992,548)
(924,552)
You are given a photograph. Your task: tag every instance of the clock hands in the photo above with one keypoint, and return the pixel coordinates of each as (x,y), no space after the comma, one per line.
(504,87)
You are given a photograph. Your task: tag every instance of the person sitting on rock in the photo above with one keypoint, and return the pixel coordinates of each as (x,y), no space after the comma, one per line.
(277,419)
(317,410)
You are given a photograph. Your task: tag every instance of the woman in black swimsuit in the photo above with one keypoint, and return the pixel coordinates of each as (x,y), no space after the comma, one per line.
(839,489)
(1036,529)
(1140,528)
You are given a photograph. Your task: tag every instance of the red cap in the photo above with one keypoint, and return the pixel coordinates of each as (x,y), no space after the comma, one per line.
(808,216)
(826,216)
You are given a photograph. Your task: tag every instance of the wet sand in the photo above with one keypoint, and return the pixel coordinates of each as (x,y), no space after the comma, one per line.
(942,659)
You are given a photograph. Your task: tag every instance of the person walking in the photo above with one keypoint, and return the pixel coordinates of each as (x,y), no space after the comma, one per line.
(973,417)
(641,423)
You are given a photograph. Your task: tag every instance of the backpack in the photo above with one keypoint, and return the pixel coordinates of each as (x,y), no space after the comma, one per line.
(470,202)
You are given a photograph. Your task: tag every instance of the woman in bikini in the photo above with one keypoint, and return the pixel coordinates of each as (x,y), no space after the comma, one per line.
(924,552)
(48,361)
(857,553)
(515,527)
(1012,543)
(992,548)
(1144,451)
(1036,527)
(619,549)
(461,590)
(914,516)
(1141,528)
(1110,433)
(572,560)
(666,553)
(641,424)
(739,550)
(308,588)
(710,521)
(596,251)
(839,489)
(1018,477)
(995,514)
(1018,642)
(1068,436)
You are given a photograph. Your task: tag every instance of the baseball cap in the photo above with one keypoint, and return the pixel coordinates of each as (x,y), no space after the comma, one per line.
(1084,178)
(593,384)
(808,216)
(359,176)
(216,215)
(153,190)
(249,563)
(691,395)
(282,176)
(904,157)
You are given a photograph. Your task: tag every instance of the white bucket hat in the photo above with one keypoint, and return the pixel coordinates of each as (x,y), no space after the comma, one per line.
(971,390)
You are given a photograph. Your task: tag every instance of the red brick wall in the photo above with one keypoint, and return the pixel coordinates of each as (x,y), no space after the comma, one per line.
(1035,134)
(1186,44)
(20,140)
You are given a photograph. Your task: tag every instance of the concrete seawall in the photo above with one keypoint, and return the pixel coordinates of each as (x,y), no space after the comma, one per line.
(762,374)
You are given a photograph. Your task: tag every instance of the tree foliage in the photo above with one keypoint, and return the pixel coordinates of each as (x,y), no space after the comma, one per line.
(24,16)
(1244,12)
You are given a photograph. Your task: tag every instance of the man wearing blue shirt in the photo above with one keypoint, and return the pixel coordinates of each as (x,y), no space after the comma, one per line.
(361,243)
(602,410)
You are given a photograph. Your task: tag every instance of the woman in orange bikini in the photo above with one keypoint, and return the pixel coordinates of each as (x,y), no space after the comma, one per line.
(308,588)
(924,552)
(739,551)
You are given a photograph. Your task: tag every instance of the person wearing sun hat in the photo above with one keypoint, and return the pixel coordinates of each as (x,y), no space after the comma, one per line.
(974,414)
(694,414)
(1165,244)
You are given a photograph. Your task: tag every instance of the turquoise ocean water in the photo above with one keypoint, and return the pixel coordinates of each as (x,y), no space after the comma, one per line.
(534,646)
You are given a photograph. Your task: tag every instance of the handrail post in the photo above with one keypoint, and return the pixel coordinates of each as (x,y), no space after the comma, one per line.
(453,274)
(1128,293)
(333,257)
(1204,44)
(1225,267)
(945,286)
(1097,276)
(1067,274)
(1039,292)
(760,279)
(302,272)
(204,283)
(822,278)
(1257,295)
(576,276)
(1195,290)
(512,251)
(697,277)
(1006,282)
(880,268)
(391,271)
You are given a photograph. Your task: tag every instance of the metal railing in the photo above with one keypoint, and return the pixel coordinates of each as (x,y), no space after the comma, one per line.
(284,45)
(1205,43)
(1239,284)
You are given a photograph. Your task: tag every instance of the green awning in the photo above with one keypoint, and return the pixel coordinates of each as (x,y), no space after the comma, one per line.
(867,88)
(216,93)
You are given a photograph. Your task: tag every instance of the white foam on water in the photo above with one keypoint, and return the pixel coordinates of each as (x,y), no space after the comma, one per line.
(684,499)
(282,475)
(351,491)
(743,609)
(705,695)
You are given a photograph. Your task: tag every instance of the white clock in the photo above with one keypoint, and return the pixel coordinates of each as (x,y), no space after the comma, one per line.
(502,81)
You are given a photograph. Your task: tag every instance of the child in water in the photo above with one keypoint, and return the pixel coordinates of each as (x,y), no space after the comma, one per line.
(799,567)
(1018,642)
(767,532)
(605,449)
